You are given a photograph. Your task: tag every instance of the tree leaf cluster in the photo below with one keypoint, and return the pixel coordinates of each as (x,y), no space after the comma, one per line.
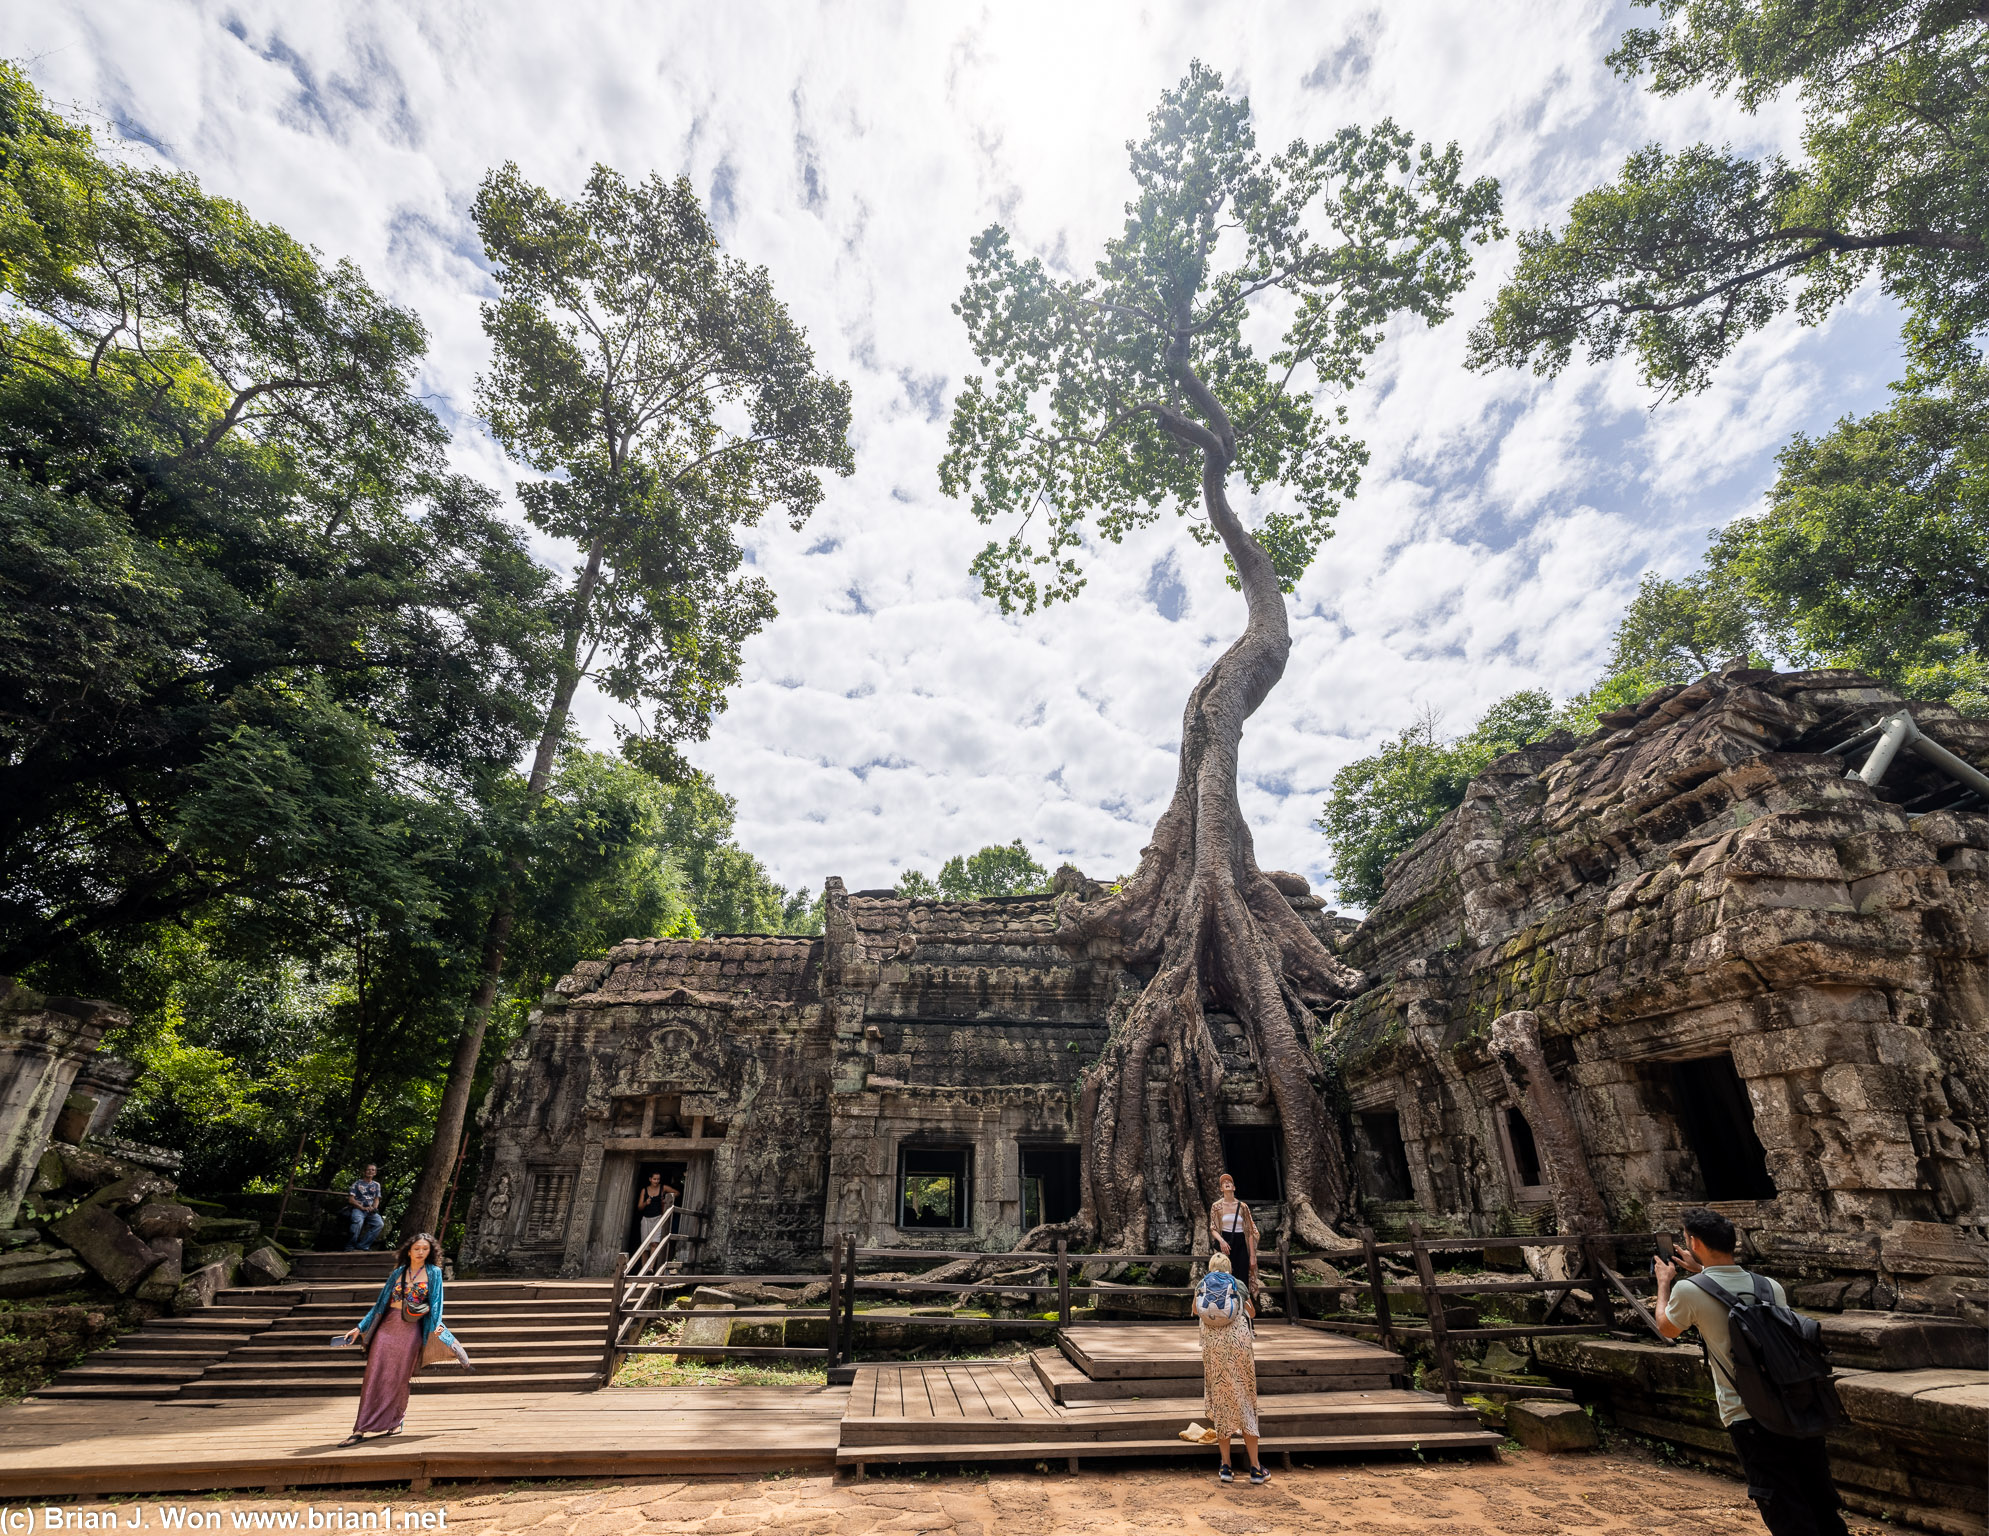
(1092,416)
(999,869)
(246,609)
(1381,804)
(1688,252)
(670,401)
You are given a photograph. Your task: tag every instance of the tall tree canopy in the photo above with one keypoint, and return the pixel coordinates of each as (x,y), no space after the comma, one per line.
(1113,395)
(244,610)
(999,869)
(1872,551)
(1381,804)
(1688,252)
(669,401)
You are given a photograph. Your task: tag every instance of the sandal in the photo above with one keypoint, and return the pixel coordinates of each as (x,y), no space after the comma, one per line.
(398,1428)
(352,1439)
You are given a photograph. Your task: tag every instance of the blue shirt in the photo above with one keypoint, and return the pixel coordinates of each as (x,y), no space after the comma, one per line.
(366,1192)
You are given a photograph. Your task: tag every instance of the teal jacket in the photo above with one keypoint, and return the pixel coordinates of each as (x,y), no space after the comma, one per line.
(428,1323)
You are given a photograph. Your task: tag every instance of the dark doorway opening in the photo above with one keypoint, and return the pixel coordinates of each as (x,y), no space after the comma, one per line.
(1718,1122)
(934,1187)
(1051,1188)
(1383,1157)
(1251,1156)
(673,1176)
(1525,1151)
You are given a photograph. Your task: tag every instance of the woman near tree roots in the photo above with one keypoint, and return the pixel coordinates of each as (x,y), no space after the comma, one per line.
(406,1315)
(1229,1364)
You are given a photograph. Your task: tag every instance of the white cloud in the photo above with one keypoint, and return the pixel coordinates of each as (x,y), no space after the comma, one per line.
(890,716)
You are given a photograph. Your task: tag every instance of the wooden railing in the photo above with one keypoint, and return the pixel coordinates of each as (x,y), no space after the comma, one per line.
(641,1283)
(1596,1277)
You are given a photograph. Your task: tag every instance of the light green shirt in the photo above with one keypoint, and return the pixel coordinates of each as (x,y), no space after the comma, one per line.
(1691,1307)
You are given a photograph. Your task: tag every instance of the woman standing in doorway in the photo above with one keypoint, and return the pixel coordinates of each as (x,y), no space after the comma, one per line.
(654,1204)
(407,1313)
(1230,1222)
(1229,1364)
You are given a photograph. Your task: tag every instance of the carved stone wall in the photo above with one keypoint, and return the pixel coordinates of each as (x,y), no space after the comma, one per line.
(1698,892)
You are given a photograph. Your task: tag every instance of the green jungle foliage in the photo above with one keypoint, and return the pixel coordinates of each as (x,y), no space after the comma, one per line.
(1000,869)
(1381,804)
(1687,253)
(267,670)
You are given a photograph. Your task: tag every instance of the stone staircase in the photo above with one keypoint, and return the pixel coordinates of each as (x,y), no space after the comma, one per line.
(274,1341)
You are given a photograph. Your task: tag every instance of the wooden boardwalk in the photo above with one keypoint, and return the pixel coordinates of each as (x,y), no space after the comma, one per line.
(59,1448)
(1125,1391)
(1006,1410)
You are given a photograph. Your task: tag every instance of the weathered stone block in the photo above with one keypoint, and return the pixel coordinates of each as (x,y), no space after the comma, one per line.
(200,1288)
(265,1266)
(1551,1426)
(163,1218)
(41,1276)
(1931,1248)
(805,1333)
(1891,1341)
(107,1245)
(1944,1402)
(164,1282)
(200,1255)
(223,1229)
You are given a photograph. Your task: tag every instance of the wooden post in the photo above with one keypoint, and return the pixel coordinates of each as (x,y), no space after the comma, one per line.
(614,1321)
(1063,1283)
(835,1311)
(1381,1316)
(289,1184)
(1439,1324)
(1284,1264)
(849,1304)
(1605,1309)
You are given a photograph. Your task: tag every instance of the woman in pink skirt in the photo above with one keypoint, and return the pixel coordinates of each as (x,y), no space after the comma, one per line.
(408,1311)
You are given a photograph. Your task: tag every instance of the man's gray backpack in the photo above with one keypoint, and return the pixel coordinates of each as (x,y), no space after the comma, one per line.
(1780,1370)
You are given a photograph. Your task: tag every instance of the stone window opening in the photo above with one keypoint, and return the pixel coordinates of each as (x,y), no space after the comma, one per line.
(935,1188)
(547,1207)
(1522,1154)
(1051,1182)
(1384,1156)
(1717,1122)
(1251,1155)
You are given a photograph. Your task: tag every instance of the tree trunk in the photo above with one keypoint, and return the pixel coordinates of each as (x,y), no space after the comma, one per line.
(1515,1040)
(1211,930)
(425,1208)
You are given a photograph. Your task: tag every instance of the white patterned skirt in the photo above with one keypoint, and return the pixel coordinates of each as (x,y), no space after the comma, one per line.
(1229,1378)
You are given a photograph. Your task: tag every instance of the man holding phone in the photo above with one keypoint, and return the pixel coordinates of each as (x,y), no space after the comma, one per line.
(1788,1478)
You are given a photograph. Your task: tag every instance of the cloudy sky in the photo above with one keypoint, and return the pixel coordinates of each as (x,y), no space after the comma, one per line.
(891,716)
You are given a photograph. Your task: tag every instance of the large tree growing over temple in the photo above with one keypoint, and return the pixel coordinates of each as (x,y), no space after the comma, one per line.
(668,400)
(1110,398)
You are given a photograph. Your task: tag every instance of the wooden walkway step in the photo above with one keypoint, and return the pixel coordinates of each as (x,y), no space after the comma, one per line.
(1173,1352)
(860,1457)
(1008,1409)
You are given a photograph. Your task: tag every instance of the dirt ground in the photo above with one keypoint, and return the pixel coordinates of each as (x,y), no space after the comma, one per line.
(1522,1493)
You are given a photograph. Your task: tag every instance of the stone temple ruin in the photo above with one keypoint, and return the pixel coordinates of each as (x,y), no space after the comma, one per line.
(1760,984)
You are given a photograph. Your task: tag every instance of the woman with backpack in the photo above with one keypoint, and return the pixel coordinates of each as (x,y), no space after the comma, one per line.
(402,1332)
(1229,1363)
